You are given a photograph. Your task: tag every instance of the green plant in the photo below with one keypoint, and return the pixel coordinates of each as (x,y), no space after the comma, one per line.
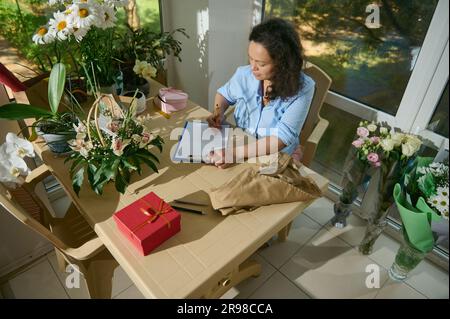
(113,151)
(146,45)
(49,121)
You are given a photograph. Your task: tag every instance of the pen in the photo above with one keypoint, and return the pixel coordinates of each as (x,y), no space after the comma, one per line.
(195,211)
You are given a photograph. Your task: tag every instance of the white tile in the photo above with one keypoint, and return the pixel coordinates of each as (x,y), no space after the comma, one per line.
(396,290)
(130,293)
(353,233)
(120,281)
(327,267)
(321,210)
(60,206)
(302,229)
(384,251)
(278,287)
(230,294)
(248,286)
(39,282)
(74,292)
(429,280)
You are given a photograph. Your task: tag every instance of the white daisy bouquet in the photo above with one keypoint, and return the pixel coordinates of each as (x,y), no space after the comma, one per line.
(87,25)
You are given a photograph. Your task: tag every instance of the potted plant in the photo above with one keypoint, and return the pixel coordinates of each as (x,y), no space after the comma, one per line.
(55,127)
(144,45)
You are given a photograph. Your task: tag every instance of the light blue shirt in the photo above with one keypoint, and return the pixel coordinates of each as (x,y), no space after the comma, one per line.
(285,118)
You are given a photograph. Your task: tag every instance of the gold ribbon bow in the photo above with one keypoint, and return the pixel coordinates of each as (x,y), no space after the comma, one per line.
(154,215)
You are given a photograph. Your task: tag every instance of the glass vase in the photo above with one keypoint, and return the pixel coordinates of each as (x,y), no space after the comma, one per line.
(407,259)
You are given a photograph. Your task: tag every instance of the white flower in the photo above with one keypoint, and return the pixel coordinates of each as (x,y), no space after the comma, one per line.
(414,141)
(12,167)
(146,138)
(117,3)
(44,34)
(21,146)
(139,66)
(440,203)
(149,72)
(106,17)
(383,130)
(442,191)
(62,24)
(81,131)
(397,138)
(408,150)
(83,15)
(79,145)
(118,146)
(387,144)
(372,127)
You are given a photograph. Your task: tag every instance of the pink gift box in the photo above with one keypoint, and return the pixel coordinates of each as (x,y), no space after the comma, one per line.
(171,100)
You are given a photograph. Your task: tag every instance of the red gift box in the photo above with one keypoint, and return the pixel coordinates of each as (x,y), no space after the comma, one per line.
(148,222)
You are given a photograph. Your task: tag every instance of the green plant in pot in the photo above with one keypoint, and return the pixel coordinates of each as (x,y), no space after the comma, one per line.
(55,127)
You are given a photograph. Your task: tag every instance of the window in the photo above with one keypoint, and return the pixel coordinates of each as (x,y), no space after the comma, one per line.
(439,120)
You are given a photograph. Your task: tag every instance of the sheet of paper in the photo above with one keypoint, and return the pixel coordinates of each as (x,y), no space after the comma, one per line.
(198,139)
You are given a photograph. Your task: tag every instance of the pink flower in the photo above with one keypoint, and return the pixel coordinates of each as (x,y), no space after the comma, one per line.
(358,143)
(373,157)
(377,164)
(375,139)
(362,131)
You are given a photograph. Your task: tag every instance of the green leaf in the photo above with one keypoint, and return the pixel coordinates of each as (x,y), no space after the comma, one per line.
(77,180)
(148,162)
(17,111)
(149,155)
(92,169)
(128,165)
(121,184)
(56,86)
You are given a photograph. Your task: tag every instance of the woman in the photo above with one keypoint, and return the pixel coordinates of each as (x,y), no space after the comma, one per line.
(272,95)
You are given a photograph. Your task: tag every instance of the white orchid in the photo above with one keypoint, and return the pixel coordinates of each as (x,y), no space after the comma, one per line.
(118,145)
(13,168)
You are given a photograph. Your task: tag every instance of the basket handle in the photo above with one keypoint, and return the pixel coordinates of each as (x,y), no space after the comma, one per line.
(94,111)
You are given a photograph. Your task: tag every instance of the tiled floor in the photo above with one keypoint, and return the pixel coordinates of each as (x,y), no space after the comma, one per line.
(317,261)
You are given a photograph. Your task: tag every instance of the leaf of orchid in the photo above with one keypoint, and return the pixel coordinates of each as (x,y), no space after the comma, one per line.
(77,180)
(128,165)
(56,86)
(91,172)
(121,184)
(148,162)
(18,111)
(149,155)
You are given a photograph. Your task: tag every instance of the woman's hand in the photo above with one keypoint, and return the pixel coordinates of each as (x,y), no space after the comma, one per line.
(215,120)
(217,158)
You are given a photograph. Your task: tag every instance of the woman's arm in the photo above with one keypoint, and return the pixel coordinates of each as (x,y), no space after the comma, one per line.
(238,154)
(220,106)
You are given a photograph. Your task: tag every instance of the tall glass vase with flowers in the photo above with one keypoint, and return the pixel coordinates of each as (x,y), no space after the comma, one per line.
(422,199)
(381,156)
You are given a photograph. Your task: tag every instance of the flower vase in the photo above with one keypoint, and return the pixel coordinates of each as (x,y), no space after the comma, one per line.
(407,258)
(385,178)
(355,175)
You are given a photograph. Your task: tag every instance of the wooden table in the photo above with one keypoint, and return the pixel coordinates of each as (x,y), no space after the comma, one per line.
(210,254)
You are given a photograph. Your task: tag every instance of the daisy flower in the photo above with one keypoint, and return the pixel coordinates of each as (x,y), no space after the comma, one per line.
(106,17)
(62,24)
(43,35)
(83,15)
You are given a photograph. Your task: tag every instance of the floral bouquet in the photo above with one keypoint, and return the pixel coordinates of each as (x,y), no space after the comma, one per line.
(13,168)
(85,26)
(111,146)
(421,201)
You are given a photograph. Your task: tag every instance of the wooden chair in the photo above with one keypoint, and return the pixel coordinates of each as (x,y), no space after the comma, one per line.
(314,126)
(74,240)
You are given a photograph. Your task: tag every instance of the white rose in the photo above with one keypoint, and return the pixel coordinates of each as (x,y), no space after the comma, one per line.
(413,140)
(387,144)
(408,150)
(397,138)
(383,130)
(372,127)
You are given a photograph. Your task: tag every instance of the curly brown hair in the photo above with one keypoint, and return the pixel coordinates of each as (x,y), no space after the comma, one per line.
(282,41)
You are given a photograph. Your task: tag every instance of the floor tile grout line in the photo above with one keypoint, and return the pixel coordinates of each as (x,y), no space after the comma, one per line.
(57,277)
(259,286)
(297,286)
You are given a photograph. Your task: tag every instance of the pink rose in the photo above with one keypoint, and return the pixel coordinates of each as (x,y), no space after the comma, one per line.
(362,131)
(358,143)
(375,139)
(373,157)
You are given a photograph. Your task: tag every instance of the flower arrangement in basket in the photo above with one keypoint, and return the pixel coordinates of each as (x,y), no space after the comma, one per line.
(110,145)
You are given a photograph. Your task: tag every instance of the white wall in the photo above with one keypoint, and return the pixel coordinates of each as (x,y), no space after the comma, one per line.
(219,31)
